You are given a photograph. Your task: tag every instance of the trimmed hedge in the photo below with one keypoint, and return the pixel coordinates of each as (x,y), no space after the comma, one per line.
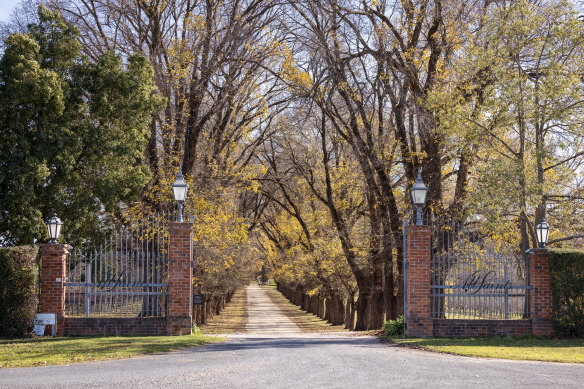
(19,275)
(567,271)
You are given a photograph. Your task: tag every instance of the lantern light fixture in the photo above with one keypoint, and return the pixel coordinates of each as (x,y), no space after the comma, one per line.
(179,189)
(54,225)
(419,192)
(542,231)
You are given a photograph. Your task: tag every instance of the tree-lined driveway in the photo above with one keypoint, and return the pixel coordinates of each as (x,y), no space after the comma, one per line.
(280,356)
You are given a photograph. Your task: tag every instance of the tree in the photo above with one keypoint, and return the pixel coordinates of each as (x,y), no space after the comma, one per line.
(72,132)
(528,58)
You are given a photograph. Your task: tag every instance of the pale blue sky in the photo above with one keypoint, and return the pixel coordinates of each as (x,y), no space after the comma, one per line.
(6,7)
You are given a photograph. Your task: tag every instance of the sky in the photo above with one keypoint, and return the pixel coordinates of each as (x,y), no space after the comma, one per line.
(6,7)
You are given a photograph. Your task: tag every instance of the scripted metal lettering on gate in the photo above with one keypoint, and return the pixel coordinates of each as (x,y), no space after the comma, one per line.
(476,281)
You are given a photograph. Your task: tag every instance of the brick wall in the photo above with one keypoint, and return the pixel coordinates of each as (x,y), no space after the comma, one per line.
(540,302)
(52,278)
(113,326)
(180,271)
(418,319)
(452,328)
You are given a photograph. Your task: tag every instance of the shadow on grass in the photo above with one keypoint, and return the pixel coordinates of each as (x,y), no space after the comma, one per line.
(307,322)
(232,319)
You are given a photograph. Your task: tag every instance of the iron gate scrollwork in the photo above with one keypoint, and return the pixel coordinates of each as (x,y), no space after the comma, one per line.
(474,277)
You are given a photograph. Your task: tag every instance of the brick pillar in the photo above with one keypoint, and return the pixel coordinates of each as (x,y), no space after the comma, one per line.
(419,254)
(540,302)
(53,274)
(180,279)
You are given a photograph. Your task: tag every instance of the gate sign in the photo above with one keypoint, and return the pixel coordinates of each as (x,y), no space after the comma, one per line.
(44,319)
(198,299)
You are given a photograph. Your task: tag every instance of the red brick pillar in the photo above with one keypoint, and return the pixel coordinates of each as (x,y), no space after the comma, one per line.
(540,302)
(419,255)
(53,274)
(180,279)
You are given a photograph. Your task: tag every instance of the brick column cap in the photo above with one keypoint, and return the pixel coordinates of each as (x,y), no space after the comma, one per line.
(54,248)
(539,251)
(181,226)
(415,228)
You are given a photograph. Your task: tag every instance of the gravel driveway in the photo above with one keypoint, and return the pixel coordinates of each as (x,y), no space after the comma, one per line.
(281,356)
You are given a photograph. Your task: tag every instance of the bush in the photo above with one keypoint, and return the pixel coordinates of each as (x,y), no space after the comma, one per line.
(567,272)
(394,327)
(19,274)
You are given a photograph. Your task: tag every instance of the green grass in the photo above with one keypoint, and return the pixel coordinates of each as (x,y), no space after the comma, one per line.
(307,322)
(521,348)
(58,351)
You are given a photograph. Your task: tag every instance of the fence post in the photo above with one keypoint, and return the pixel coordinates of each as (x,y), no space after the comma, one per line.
(419,256)
(180,276)
(53,273)
(540,302)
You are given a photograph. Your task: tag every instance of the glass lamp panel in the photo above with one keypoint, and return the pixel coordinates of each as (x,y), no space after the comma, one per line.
(54,226)
(180,190)
(52,230)
(419,191)
(419,196)
(543,231)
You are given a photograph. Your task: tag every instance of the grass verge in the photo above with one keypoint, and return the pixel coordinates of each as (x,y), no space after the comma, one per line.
(59,351)
(520,348)
(232,319)
(307,322)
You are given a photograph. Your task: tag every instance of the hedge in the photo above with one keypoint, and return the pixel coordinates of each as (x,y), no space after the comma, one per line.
(19,275)
(567,271)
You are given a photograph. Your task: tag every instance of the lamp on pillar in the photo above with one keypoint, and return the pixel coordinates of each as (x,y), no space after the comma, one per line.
(542,230)
(179,189)
(54,226)
(419,191)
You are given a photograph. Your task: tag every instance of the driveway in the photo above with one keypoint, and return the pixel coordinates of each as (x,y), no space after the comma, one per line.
(274,353)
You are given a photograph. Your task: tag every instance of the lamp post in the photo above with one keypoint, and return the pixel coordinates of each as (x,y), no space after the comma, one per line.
(542,230)
(54,226)
(419,191)
(179,189)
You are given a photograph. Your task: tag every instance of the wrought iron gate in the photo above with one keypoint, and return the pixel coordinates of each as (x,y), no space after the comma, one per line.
(473,277)
(126,276)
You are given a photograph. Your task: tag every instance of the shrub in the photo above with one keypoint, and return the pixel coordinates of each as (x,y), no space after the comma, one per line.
(394,327)
(19,274)
(567,272)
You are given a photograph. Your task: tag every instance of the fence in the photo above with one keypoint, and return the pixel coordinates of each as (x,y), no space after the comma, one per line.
(460,283)
(473,277)
(125,277)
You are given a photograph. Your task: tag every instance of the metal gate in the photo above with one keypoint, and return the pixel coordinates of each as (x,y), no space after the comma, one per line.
(474,277)
(127,276)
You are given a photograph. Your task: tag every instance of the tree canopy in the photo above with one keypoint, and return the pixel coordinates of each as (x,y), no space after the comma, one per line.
(72,131)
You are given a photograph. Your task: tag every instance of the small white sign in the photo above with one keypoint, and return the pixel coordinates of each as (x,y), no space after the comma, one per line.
(45,319)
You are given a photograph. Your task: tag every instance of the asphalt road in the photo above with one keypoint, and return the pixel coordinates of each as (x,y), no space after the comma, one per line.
(276,358)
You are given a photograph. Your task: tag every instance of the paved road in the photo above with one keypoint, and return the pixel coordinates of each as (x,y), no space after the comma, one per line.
(285,358)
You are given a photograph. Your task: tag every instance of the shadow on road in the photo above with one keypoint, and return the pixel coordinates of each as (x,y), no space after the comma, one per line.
(285,343)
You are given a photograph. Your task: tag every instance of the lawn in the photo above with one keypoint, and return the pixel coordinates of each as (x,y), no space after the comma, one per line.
(521,348)
(65,350)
